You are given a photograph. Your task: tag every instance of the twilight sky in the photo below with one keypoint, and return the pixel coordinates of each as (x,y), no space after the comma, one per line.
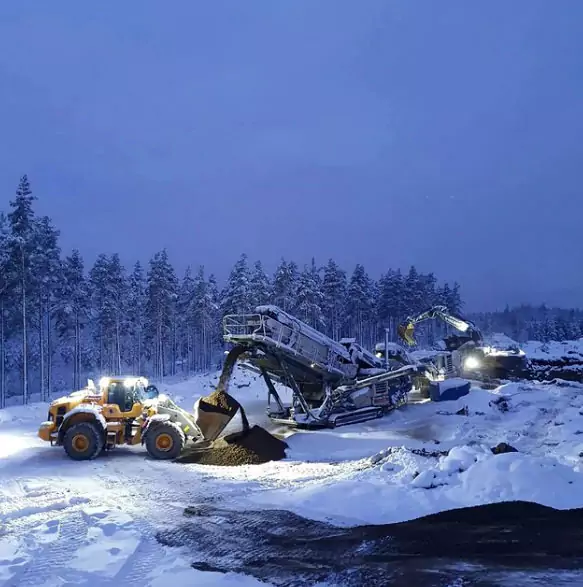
(386,132)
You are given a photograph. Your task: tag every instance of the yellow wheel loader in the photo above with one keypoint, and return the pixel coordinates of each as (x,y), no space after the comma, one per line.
(128,411)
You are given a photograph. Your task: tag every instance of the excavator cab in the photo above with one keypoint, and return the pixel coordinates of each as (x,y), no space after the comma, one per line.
(405,331)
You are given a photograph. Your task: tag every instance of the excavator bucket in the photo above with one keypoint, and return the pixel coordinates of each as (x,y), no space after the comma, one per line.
(406,333)
(213,413)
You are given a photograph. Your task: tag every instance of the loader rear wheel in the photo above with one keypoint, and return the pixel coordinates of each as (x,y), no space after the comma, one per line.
(165,441)
(83,441)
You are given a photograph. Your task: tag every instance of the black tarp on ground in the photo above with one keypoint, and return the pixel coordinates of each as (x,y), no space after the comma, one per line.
(512,543)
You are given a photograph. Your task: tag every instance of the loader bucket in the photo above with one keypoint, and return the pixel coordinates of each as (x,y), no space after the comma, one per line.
(213,413)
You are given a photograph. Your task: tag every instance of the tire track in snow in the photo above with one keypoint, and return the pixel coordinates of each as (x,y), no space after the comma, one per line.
(118,487)
(54,557)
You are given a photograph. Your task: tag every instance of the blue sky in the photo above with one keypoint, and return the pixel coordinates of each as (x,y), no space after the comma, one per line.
(441,134)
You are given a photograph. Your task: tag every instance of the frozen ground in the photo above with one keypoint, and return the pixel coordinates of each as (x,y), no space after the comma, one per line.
(94,523)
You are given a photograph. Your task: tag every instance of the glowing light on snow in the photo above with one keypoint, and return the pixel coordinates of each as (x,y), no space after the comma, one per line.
(471,363)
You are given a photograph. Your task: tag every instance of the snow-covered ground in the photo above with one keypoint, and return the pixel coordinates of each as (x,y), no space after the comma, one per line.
(94,523)
(555,351)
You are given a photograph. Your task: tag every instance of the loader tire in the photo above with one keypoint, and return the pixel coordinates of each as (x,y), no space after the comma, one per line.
(165,441)
(83,441)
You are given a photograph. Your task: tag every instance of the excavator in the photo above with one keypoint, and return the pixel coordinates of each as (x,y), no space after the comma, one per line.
(466,354)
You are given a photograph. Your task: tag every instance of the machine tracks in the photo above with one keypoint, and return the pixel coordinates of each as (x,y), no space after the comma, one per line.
(61,534)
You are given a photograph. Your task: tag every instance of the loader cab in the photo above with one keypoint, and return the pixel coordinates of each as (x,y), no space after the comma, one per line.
(126,392)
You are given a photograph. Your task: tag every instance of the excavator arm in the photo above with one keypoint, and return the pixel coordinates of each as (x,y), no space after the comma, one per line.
(406,329)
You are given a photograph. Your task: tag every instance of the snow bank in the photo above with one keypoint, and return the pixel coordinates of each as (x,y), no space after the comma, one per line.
(571,350)
(556,360)
(398,485)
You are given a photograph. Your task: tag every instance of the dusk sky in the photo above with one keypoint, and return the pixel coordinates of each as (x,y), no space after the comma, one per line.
(448,135)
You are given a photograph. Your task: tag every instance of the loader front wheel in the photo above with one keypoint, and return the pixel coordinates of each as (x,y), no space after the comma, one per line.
(165,441)
(83,441)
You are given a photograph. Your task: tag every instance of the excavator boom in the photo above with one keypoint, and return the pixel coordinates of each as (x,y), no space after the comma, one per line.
(406,329)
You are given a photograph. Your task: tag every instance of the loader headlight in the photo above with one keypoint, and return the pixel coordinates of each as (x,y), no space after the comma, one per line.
(104,381)
(471,363)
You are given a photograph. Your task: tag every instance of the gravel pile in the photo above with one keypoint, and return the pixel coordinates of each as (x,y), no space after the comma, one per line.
(253,447)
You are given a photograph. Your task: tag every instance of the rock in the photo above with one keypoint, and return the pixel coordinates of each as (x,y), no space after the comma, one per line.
(502,448)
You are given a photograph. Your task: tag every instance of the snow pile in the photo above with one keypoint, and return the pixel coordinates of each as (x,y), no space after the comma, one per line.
(556,360)
(555,351)
(500,341)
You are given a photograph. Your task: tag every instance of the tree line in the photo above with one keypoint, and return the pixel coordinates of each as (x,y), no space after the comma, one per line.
(527,322)
(61,323)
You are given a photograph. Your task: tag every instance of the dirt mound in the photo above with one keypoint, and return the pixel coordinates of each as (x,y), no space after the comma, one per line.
(251,448)
(511,543)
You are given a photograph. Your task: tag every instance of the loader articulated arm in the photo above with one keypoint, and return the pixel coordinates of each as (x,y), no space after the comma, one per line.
(469,329)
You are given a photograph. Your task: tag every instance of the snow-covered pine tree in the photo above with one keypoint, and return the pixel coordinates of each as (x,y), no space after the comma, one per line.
(236,297)
(374,327)
(136,310)
(428,287)
(414,294)
(118,299)
(285,283)
(334,287)
(419,295)
(573,327)
(561,328)
(216,343)
(309,297)
(100,315)
(72,312)
(46,270)
(4,291)
(360,307)
(390,302)
(185,322)
(206,318)
(108,288)
(161,295)
(259,285)
(22,228)
(455,303)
